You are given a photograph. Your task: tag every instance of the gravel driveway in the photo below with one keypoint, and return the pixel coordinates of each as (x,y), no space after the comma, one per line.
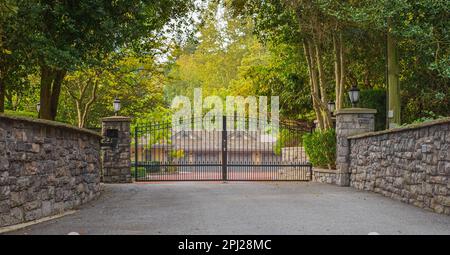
(243,208)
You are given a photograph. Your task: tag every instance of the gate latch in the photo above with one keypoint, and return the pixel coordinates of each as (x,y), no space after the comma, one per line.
(110,139)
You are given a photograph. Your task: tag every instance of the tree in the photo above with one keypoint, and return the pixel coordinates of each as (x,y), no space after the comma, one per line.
(268,70)
(82,86)
(136,80)
(7,10)
(329,29)
(276,20)
(307,52)
(393,72)
(211,59)
(62,36)
(226,58)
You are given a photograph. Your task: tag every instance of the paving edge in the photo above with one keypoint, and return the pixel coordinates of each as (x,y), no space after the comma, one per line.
(34,222)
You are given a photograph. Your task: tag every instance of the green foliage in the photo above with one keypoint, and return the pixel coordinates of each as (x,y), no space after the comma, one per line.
(229,60)
(420,28)
(136,81)
(252,48)
(375,99)
(59,37)
(142,171)
(211,61)
(275,70)
(320,146)
(177,153)
(21,113)
(65,35)
(430,117)
(287,138)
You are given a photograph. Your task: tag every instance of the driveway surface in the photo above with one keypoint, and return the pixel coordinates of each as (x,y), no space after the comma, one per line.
(243,208)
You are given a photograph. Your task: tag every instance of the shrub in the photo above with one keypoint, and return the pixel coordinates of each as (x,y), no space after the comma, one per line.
(430,116)
(320,146)
(21,113)
(287,138)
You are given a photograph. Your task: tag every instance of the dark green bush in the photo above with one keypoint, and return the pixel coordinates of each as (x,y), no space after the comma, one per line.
(320,146)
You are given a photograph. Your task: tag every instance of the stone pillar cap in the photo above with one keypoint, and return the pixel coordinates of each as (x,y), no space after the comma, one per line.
(116,119)
(355,111)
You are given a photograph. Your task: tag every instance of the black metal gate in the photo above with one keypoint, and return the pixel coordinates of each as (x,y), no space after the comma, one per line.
(164,153)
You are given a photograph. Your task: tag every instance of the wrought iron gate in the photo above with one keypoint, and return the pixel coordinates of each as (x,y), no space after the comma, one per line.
(162,153)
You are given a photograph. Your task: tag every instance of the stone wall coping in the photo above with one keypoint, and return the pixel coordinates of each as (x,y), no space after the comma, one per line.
(404,128)
(322,170)
(50,123)
(116,119)
(355,111)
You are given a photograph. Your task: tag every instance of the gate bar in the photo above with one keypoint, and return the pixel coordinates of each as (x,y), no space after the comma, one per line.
(224,148)
(136,153)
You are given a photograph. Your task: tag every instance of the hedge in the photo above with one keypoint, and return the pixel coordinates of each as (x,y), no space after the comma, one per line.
(320,146)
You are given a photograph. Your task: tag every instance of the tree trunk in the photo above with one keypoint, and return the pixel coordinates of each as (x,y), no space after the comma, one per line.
(323,94)
(50,90)
(393,79)
(313,83)
(88,105)
(342,78)
(47,78)
(339,71)
(2,84)
(2,95)
(56,91)
(78,105)
(83,87)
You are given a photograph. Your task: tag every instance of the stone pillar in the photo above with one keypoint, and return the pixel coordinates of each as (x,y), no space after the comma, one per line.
(350,121)
(117,158)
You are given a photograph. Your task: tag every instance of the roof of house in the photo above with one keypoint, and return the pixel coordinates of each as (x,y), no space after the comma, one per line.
(242,141)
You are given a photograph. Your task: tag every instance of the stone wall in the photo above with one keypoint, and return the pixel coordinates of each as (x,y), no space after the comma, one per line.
(294,154)
(117,158)
(410,164)
(324,176)
(350,121)
(46,168)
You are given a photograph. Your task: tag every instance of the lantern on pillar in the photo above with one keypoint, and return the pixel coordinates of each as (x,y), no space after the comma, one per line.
(116,105)
(353,93)
(331,106)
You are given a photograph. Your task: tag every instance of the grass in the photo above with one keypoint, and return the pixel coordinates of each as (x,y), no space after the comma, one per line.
(21,113)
